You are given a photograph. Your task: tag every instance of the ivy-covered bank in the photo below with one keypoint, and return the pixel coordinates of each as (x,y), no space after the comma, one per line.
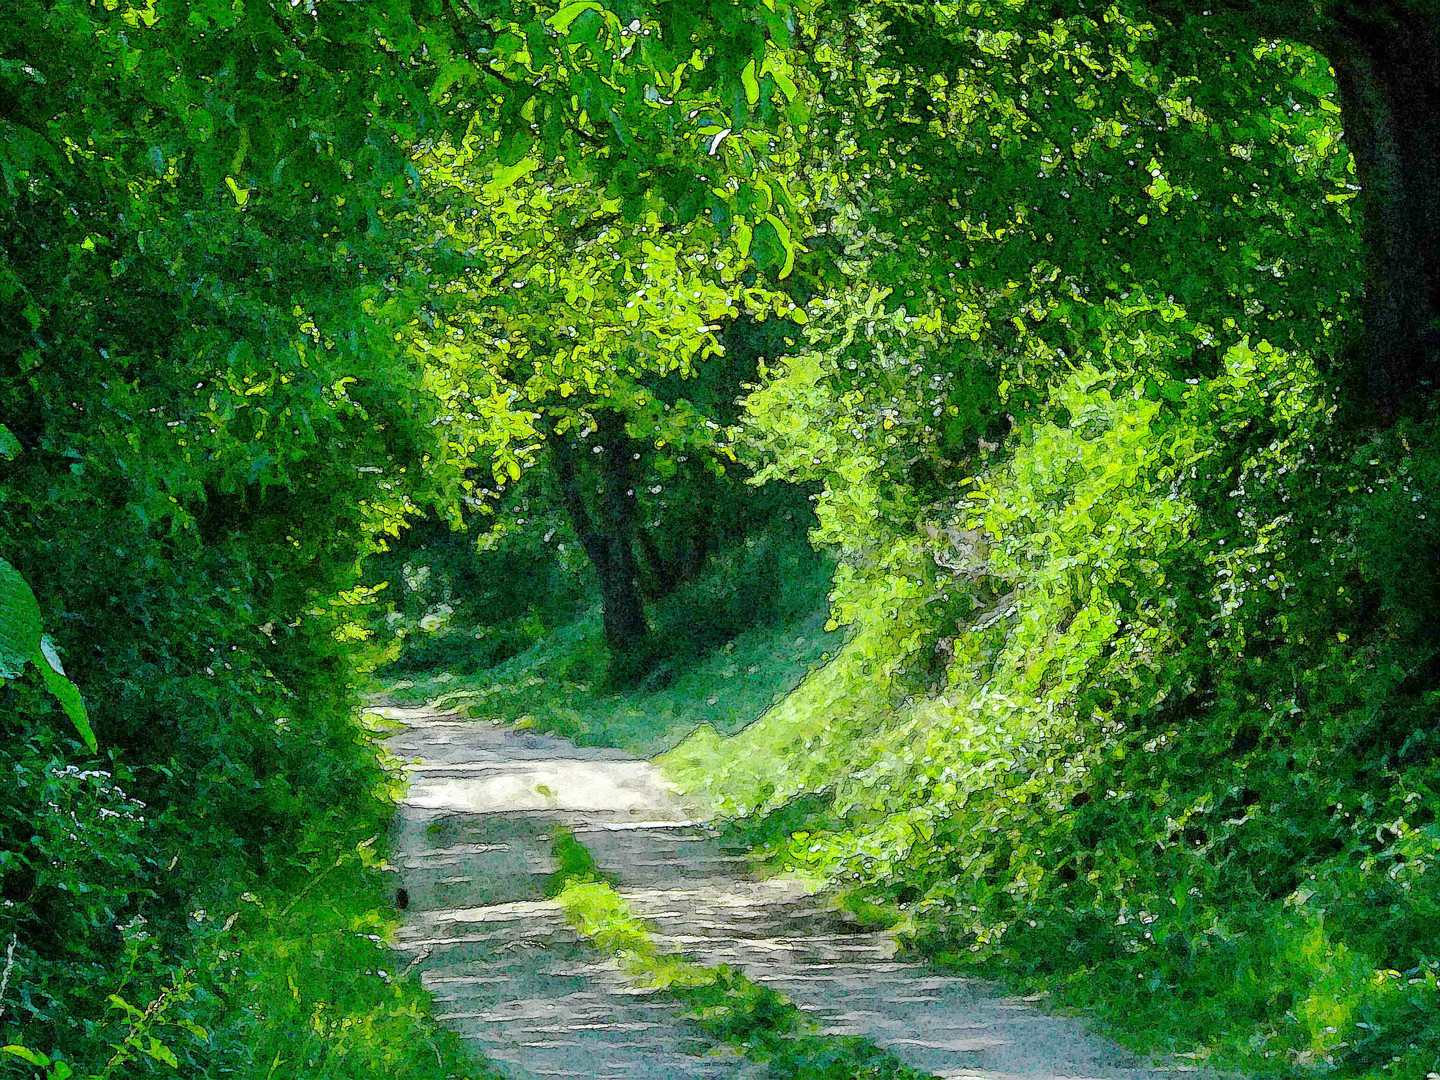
(1179,767)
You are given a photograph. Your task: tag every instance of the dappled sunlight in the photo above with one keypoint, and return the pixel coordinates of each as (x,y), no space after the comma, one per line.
(511,972)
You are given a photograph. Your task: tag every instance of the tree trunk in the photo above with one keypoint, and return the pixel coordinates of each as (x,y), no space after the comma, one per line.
(1387,63)
(664,575)
(625,627)
(699,545)
(610,548)
(1386,56)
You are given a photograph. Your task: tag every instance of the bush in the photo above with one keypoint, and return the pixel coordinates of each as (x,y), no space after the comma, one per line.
(1176,763)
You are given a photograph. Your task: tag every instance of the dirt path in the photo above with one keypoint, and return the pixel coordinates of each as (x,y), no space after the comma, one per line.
(474,855)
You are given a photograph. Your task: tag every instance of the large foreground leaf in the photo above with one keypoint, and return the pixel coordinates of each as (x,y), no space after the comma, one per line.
(21,641)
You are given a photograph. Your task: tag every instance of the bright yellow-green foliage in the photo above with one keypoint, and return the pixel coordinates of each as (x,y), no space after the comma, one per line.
(1106,724)
(321,986)
(1139,696)
(1141,680)
(741,635)
(215,237)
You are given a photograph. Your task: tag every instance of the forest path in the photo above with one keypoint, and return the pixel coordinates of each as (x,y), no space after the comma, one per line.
(473,849)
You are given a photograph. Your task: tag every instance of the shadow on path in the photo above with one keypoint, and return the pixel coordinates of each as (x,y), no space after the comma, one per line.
(473,849)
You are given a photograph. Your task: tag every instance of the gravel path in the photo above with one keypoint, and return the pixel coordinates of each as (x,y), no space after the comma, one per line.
(473,852)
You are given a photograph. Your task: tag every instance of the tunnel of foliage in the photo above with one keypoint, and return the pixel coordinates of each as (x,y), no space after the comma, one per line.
(1091,343)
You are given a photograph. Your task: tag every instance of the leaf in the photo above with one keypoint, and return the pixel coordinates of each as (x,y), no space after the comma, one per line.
(9,444)
(743,233)
(19,622)
(586,29)
(47,650)
(787,241)
(40,1061)
(506,175)
(751,84)
(562,19)
(242,195)
(786,84)
(21,641)
(69,697)
(160,1052)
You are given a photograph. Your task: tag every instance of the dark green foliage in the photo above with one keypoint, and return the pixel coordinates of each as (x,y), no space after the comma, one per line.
(1136,509)
(1185,772)
(209,254)
(1139,695)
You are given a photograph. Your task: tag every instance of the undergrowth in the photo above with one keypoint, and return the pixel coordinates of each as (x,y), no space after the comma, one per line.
(294,976)
(1176,760)
(727,646)
(324,995)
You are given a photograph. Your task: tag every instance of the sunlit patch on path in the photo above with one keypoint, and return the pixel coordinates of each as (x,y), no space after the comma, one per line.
(473,851)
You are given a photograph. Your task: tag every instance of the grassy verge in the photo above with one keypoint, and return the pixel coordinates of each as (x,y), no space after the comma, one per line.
(293,977)
(729,1008)
(321,993)
(1201,903)
(558,685)
(298,982)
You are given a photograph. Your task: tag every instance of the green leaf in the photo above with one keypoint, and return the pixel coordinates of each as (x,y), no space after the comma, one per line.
(242,195)
(787,242)
(586,29)
(70,700)
(9,444)
(22,641)
(786,84)
(507,175)
(154,1048)
(751,84)
(19,622)
(40,1061)
(562,19)
(743,234)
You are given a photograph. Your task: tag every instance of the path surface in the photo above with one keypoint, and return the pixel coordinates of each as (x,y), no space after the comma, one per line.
(509,975)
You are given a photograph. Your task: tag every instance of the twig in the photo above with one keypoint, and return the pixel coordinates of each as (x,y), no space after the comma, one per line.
(421,957)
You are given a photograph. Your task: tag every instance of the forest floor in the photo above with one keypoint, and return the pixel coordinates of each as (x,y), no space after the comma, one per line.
(588,981)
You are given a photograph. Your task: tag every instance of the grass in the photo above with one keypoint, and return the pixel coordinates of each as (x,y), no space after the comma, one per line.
(319,985)
(728,646)
(729,1008)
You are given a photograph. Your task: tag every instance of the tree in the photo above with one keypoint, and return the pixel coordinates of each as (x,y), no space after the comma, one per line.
(209,253)
(1385,55)
(575,343)
(608,536)
(1032,91)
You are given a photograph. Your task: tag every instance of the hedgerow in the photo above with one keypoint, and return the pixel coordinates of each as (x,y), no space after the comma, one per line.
(1178,761)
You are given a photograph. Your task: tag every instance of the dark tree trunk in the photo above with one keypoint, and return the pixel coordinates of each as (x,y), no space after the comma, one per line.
(699,544)
(625,627)
(665,574)
(609,546)
(1387,62)
(1386,56)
